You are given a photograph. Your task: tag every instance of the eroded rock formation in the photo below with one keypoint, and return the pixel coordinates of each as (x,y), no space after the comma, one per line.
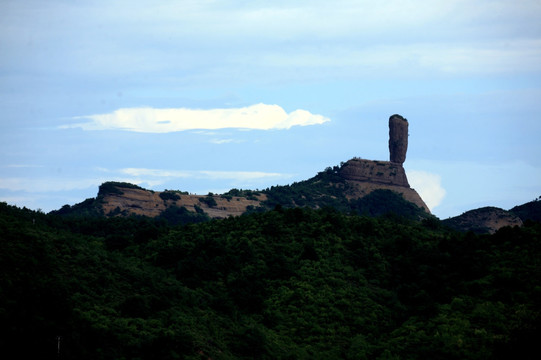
(380,172)
(365,176)
(144,202)
(398,138)
(368,175)
(360,177)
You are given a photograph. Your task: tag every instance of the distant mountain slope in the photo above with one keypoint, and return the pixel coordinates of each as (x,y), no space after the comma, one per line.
(529,211)
(363,186)
(483,220)
(490,219)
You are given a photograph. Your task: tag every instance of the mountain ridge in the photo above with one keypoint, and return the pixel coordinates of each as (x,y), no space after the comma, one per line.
(372,187)
(358,185)
(342,187)
(489,219)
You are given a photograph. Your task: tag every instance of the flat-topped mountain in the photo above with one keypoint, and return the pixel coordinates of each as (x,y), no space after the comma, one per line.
(127,199)
(365,176)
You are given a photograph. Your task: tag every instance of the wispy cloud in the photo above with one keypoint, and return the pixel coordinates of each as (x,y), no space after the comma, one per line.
(428,186)
(140,176)
(242,175)
(158,176)
(224,141)
(156,173)
(23,166)
(151,120)
(489,57)
(47,184)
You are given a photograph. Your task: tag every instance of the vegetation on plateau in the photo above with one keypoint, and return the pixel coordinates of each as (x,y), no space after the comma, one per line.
(326,189)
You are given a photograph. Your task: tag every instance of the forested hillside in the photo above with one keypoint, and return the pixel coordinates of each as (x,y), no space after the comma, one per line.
(284,284)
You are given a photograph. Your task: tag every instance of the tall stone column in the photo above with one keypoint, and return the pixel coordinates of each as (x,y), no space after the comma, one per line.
(398,138)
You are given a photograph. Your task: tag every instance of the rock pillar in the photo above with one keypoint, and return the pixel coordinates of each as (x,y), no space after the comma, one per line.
(398,138)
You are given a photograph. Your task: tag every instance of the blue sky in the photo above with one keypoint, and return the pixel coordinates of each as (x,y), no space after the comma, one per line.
(206,96)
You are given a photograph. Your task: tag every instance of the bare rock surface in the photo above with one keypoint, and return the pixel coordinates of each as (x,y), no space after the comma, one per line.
(149,203)
(365,176)
(381,172)
(398,138)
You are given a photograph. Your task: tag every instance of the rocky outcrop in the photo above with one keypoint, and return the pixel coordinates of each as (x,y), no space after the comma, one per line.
(365,176)
(356,179)
(138,201)
(379,172)
(398,138)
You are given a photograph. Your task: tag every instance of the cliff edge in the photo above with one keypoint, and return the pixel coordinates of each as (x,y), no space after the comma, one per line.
(365,176)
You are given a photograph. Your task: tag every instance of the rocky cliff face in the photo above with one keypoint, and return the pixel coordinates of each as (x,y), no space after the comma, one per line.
(380,172)
(398,138)
(365,176)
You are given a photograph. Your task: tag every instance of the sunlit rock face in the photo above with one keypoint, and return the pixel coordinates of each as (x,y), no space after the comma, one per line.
(398,138)
(379,172)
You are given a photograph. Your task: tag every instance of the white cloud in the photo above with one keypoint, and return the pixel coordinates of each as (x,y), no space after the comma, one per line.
(150,120)
(428,186)
(473,184)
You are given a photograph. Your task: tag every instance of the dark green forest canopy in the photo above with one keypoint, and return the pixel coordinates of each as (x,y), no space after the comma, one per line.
(283,284)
